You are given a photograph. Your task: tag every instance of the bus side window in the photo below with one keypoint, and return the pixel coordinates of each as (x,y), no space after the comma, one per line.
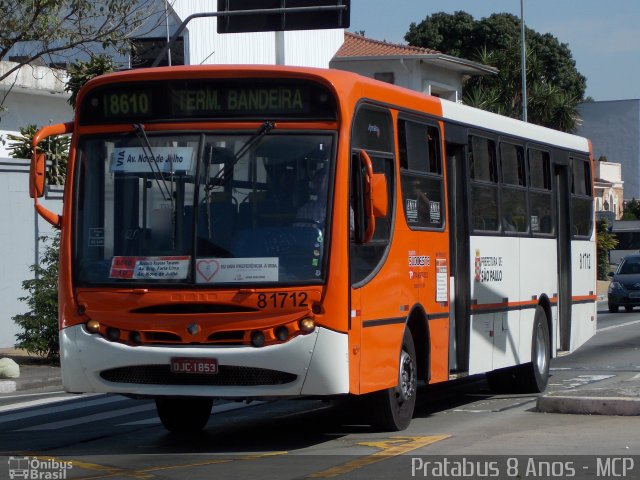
(514,193)
(540,197)
(373,132)
(421,174)
(484,184)
(581,200)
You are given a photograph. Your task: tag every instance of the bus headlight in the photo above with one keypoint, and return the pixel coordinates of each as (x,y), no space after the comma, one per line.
(93,326)
(307,325)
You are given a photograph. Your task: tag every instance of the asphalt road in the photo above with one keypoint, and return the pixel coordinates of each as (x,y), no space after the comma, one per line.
(114,437)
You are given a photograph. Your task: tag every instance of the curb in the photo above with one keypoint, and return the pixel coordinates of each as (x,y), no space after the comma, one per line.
(625,406)
(7,386)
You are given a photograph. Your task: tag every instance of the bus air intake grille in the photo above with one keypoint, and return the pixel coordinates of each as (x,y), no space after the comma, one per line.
(227,376)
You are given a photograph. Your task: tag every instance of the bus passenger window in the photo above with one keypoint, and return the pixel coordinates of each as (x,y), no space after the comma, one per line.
(540,200)
(581,200)
(514,193)
(484,184)
(421,174)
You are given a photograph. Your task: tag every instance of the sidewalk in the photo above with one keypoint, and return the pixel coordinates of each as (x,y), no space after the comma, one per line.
(603,287)
(36,374)
(619,395)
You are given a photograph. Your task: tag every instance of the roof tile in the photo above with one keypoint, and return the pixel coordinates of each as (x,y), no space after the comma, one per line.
(359,46)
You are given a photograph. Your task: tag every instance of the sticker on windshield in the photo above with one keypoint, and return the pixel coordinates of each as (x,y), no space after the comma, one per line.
(236,270)
(150,268)
(136,160)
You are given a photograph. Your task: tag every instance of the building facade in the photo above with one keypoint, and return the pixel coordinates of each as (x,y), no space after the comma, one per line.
(614,130)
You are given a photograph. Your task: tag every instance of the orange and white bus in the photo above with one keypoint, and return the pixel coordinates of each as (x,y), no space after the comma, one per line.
(248,232)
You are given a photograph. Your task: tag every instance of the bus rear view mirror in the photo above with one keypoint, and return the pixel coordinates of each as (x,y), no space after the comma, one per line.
(36,175)
(37,171)
(379,195)
(374,192)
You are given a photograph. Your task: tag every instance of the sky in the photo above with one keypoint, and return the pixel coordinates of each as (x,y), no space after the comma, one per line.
(603,35)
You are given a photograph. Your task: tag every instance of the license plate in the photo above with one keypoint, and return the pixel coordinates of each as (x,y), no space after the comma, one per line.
(207,366)
(634,294)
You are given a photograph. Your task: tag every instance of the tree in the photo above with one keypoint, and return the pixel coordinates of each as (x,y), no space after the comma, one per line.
(40,324)
(33,30)
(81,72)
(605,241)
(55,148)
(554,85)
(632,210)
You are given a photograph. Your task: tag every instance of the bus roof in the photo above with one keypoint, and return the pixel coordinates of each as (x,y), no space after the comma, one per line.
(473,116)
(349,83)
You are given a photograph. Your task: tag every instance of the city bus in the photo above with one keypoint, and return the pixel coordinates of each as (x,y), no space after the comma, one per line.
(263,232)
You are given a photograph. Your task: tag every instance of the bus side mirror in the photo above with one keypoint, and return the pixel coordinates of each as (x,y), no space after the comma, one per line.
(374,192)
(37,171)
(36,175)
(379,195)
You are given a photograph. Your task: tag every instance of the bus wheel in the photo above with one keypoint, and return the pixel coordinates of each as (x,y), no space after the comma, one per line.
(534,376)
(392,409)
(184,415)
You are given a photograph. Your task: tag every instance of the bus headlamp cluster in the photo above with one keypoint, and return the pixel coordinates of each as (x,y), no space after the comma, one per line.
(255,338)
(282,333)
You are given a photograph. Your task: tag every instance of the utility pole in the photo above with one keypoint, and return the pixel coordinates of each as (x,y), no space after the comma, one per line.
(524,64)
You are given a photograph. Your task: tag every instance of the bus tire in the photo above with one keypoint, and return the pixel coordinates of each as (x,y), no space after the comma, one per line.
(392,409)
(184,415)
(534,376)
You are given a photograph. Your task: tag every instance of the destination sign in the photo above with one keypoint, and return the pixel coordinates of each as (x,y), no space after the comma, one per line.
(214,99)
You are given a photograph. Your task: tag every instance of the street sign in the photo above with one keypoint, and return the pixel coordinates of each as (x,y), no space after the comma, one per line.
(280,15)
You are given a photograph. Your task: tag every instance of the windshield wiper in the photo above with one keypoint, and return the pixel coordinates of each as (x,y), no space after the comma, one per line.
(157,173)
(225,173)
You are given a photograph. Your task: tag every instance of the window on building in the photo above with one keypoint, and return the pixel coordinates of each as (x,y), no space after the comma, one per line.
(387,77)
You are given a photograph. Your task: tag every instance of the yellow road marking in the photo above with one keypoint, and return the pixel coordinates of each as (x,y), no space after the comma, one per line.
(147,473)
(388,448)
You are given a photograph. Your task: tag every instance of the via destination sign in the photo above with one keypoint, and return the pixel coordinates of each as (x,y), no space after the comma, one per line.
(240,100)
(188,100)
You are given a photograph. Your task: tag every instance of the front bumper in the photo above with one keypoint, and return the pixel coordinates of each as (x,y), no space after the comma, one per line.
(623,299)
(313,364)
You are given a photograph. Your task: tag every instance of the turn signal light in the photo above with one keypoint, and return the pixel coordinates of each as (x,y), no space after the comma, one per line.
(307,325)
(93,326)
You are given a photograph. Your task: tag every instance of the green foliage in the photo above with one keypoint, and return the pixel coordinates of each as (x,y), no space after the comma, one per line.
(605,241)
(554,85)
(81,72)
(40,324)
(632,210)
(55,148)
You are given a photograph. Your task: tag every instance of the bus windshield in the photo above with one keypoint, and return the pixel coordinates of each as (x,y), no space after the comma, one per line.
(202,208)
